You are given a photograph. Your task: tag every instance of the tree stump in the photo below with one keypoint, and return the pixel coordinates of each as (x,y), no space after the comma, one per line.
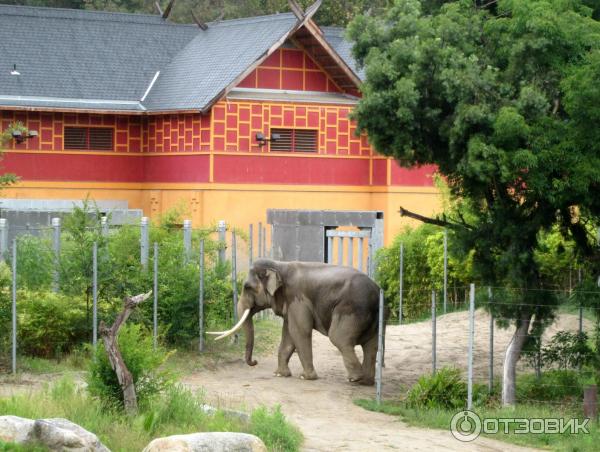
(109,337)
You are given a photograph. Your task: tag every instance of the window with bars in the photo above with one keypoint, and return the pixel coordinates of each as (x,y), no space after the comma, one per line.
(295,140)
(89,138)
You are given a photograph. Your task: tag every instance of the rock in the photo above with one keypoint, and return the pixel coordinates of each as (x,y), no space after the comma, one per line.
(244,417)
(64,435)
(208,442)
(56,434)
(14,429)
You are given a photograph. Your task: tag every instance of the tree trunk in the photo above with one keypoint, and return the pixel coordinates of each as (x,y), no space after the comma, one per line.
(513,354)
(109,337)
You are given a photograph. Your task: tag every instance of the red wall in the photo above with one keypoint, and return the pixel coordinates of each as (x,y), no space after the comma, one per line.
(290,69)
(234,124)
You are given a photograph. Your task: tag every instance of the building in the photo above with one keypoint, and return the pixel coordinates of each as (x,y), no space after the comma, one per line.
(131,107)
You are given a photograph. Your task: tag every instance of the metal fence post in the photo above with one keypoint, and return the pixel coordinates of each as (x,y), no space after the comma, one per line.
(14,306)
(491,372)
(234,279)
(380,349)
(155,304)
(340,241)
(187,240)
(433,334)
(3,238)
(401,288)
(260,240)
(104,226)
(201,300)
(144,242)
(95,294)
(445,269)
(250,243)
(271,247)
(264,251)
(471,338)
(56,246)
(222,230)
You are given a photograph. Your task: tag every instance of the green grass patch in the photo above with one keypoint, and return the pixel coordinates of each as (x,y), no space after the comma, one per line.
(176,411)
(557,394)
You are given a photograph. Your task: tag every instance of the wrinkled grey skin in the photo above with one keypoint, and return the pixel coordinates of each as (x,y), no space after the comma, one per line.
(339,302)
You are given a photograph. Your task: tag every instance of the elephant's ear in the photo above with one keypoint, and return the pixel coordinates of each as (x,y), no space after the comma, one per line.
(273,281)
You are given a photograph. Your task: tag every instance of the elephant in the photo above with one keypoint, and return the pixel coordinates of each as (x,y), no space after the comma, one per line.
(339,302)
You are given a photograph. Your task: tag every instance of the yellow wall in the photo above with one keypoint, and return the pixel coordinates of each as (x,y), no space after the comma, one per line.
(241,205)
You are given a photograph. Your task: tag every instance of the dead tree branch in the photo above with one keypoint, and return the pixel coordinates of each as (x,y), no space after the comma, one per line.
(435,221)
(109,337)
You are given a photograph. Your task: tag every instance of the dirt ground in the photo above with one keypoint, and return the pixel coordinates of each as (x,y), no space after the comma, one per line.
(323,409)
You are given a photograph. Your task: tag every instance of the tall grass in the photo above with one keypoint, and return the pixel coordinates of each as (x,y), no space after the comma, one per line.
(177,411)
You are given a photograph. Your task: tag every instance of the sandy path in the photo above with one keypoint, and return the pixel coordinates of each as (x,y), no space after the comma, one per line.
(324,410)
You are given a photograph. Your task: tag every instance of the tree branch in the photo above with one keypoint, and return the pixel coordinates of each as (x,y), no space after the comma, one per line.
(109,337)
(435,221)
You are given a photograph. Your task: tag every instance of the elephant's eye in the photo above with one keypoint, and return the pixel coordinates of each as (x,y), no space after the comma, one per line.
(248,286)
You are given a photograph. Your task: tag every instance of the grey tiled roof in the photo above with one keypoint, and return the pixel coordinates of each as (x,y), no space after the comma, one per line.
(335,37)
(213,59)
(84,55)
(106,61)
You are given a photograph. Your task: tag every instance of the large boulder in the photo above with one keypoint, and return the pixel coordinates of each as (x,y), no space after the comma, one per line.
(14,429)
(208,442)
(56,434)
(64,435)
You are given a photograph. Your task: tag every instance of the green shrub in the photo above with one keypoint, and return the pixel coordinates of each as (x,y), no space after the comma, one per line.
(35,262)
(423,271)
(567,350)
(49,324)
(142,360)
(552,386)
(445,389)
(272,427)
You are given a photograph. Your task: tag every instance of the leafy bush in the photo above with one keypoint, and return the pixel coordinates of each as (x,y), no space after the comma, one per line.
(272,427)
(551,386)
(567,350)
(5,310)
(423,270)
(142,360)
(35,262)
(445,390)
(49,324)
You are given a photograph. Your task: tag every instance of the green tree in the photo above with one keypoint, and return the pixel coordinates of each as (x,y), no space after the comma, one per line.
(504,97)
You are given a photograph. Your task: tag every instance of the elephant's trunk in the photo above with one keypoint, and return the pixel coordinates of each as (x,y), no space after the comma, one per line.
(249,331)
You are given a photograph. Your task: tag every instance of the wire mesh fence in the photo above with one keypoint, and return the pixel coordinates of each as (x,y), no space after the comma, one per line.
(57,285)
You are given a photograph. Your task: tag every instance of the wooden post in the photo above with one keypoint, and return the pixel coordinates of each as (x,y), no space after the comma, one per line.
(590,402)
(109,337)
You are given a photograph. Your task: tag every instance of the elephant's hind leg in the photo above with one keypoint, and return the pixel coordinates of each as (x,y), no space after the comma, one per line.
(369,359)
(343,335)
(286,348)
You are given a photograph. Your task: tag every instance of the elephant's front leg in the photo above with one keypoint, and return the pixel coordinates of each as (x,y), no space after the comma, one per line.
(300,327)
(286,348)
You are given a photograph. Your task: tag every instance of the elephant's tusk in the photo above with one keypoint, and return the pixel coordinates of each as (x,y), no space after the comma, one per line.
(224,334)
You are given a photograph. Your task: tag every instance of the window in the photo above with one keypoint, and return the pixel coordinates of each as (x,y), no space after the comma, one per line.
(89,138)
(295,140)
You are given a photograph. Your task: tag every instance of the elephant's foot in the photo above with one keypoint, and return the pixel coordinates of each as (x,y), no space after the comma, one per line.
(283,373)
(309,375)
(367,382)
